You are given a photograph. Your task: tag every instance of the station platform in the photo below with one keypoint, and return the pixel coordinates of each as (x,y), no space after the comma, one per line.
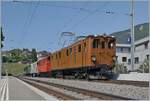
(19,90)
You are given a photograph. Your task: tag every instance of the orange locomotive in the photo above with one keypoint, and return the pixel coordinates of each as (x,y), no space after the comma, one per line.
(94,55)
(44,66)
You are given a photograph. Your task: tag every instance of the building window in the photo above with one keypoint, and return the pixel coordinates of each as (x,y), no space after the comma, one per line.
(146,45)
(136,60)
(118,49)
(129,61)
(124,59)
(79,48)
(147,57)
(121,49)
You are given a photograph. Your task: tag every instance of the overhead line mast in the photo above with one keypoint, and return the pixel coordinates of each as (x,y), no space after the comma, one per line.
(132,35)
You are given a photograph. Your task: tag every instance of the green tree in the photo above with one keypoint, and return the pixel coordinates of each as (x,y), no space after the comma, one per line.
(2,37)
(5,59)
(16,55)
(34,55)
(144,67)
(120,68)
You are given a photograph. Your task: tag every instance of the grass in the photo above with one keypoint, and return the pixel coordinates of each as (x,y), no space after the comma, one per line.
(14,68)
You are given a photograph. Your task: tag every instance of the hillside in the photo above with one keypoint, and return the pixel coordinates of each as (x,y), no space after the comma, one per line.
(141,31)
(14,68)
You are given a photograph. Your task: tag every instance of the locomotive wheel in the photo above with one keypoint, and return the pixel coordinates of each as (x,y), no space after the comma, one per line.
(101,74)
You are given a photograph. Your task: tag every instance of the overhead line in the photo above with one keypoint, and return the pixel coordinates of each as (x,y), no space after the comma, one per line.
(25,24)
(69,21)
(30,20)
(85,17)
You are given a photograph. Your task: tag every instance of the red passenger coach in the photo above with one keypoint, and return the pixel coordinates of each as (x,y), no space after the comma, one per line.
(44,66)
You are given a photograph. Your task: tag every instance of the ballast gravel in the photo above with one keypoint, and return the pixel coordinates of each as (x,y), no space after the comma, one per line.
(129,91)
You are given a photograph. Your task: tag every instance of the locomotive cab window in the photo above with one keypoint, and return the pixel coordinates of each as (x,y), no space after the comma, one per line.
(110,44)
(103,44)
(96,43)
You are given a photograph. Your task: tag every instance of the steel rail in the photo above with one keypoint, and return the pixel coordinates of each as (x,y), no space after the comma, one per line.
(95,94)
(57,94)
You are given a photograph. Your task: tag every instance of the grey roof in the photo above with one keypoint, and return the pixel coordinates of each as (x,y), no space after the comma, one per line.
(141,31)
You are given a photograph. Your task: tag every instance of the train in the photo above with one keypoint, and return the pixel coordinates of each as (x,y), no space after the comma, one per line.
(93,56)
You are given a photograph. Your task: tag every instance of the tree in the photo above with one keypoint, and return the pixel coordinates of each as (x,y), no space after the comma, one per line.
(120,68)
(144,67)
(34,55)
(5,59)
(2,37)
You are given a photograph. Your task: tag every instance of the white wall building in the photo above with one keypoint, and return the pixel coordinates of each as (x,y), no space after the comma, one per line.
(142,49)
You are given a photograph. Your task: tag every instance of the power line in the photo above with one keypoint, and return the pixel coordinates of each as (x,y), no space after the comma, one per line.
(30,21)
(25,24)
(70,20)
(87,16)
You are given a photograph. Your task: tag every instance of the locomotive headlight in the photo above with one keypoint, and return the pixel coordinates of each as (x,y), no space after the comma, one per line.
(115,59)
(94,58)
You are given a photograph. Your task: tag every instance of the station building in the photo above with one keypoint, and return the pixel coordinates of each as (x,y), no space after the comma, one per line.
(142,46)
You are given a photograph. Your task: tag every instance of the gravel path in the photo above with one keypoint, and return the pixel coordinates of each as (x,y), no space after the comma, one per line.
(129,91)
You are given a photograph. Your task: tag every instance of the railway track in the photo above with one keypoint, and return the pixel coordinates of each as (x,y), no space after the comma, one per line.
(48,90)
(71,93)
(124,82)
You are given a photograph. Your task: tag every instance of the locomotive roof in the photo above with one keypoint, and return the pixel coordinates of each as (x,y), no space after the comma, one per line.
(43,58)
(89,36)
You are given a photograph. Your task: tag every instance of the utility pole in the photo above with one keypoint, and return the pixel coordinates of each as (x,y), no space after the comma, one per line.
(0,62)
(132,35)
(0,50)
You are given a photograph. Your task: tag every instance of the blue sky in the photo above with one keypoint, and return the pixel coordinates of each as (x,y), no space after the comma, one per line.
(39,24)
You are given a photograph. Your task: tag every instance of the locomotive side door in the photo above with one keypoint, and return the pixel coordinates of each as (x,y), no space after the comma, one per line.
(84,54)
(102,51)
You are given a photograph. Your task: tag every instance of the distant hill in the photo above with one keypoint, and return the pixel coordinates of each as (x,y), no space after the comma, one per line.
(141,31)
(14,68)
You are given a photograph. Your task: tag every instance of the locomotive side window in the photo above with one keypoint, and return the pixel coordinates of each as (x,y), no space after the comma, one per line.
(84,47)
(52,57)
(70,51)
(79,48)
(74,55)
(67,52)
(59,54)
(96,43)
(56,55)
(49,58)
(103,44)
